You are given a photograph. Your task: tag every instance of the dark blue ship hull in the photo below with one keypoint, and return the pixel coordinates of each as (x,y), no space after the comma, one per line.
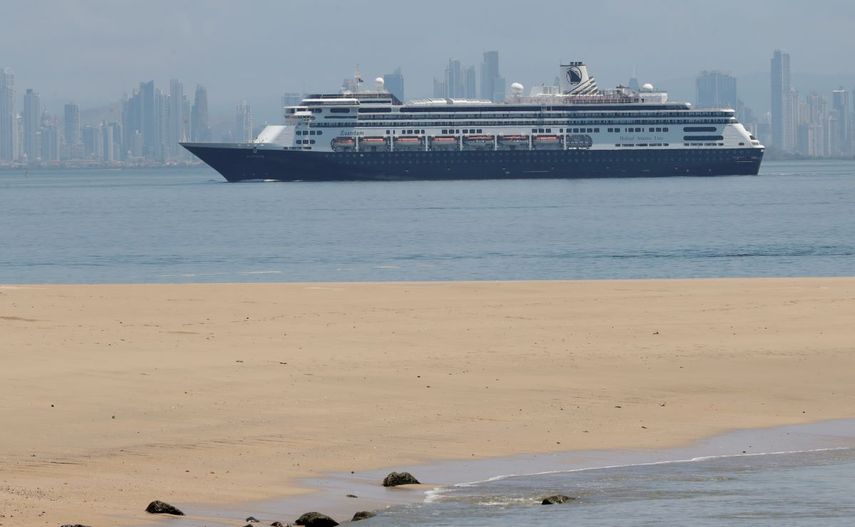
(242,162)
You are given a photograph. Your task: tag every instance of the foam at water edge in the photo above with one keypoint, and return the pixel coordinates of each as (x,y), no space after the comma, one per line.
(436,494)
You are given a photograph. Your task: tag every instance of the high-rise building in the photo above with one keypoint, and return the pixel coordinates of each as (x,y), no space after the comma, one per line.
(840,133)
(8,117)
(32,125)
(782,111)
(72,146)
(440,89)
(454,79)
(243,122)
(716,90)
(394,83)
(492,83)
(199,129)
(175,119)
(50,140)
(469,83)
(150,126)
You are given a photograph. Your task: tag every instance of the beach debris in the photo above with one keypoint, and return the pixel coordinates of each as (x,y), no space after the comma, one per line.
(74,525)
(362,515)
(556,499)
(315,519)
(251,519)
(399,478)
(160,507)
(352,496)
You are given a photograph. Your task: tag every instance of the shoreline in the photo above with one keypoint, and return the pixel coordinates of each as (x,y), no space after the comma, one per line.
(329,491)
(230,393)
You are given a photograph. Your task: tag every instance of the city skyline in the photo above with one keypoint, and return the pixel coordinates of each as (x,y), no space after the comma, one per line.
(217,43)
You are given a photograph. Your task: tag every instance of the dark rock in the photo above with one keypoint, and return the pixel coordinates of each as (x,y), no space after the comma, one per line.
(315,519)
(251,519)
(352,496)
(399,478)
(276,524)
(556,500)
(362,515)
(74,524)
(159,507)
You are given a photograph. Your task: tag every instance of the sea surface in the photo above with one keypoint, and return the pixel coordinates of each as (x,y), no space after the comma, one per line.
(785,489)
(189,225)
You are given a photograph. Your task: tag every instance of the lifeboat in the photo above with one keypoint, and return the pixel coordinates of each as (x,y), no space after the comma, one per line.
(443,142)
(478,142)
(343,144)
(373,144)
(513,142)
(408,143)
(547,142)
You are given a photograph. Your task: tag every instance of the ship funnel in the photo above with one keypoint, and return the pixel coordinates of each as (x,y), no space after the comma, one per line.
(575,80)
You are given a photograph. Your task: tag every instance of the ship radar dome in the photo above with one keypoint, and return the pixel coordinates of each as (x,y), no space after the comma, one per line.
(379,82)
(517,88)
(647,87)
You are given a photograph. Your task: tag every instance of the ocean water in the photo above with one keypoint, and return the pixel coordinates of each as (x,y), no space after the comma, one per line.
(189,225)
(787,489)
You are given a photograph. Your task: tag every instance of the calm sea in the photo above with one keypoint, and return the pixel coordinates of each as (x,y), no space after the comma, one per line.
(188,225)
(795,489)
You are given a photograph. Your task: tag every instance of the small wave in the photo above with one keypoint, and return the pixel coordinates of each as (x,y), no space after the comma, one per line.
(437,494)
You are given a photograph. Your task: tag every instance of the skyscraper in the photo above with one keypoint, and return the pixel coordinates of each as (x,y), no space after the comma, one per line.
(716,90)
(469,83)
(782,119)
(394,83)
(492,83)
(175,119)
(8,126)
(243,122)
(72,147)
(32,125)
(149,120)
(199,130)
(454,79)
(840,132)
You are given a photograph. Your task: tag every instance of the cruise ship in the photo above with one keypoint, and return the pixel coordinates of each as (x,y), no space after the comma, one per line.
(573,130)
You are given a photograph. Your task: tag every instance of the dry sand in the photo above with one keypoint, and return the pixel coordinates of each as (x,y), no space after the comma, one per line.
(111,396)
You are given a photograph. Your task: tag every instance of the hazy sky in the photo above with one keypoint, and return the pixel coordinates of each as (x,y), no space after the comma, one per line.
(94,50)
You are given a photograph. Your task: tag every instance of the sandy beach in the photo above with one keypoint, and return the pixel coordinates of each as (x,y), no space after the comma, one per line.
(114,395)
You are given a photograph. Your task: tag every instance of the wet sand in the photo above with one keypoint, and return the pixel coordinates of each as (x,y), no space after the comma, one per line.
(112,396)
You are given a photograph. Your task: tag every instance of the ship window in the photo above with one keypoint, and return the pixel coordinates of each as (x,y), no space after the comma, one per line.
(596,130)
(339,110)
(312,141)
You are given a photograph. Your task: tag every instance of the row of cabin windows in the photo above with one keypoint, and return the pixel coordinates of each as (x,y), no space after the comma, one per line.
(407,132)
(305,141)
(569,130)
(462,131)
(638,130)
(309,132)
